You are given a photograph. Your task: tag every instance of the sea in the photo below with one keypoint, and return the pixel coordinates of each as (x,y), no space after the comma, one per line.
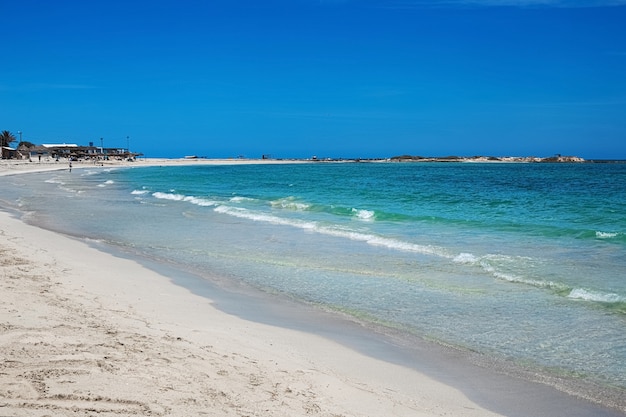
(521,262)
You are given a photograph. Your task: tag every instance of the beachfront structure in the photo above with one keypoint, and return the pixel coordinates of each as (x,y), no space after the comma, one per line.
(8,152)
(60,150)
(76,152)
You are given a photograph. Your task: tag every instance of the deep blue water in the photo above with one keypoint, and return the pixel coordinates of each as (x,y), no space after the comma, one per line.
(521,261)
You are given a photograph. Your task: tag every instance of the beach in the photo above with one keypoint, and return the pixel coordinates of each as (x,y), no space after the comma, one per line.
(17,166)
(86,331)
(80,337)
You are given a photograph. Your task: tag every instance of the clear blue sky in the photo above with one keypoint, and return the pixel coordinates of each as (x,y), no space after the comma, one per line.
(337,78)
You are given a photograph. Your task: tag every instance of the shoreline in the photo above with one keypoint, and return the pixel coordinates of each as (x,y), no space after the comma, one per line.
(77,334)
(166,303)
(16,166)
(475,374)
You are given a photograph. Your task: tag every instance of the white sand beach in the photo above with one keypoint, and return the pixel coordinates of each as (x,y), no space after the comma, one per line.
(15,166)
(83,332)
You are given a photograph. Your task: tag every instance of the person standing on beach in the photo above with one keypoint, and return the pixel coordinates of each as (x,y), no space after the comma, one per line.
(70,166)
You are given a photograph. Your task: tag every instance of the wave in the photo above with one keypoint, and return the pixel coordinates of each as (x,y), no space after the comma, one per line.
(107,182)
(465,258)
(590,234)
(613,301)
(289,203)
(601,297)
(292,203)
(62,185)
(547,231)
(366,215)
(606,235)
(500,267)
(336,231)
(180,197)
(551,285)
(139,192)
(393,243)
(168,196)
(486,263)
(240,199)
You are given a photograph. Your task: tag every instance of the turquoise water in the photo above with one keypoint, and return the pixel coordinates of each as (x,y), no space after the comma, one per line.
(526,262)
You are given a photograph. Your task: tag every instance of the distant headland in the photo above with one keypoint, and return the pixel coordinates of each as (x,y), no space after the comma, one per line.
(554,158)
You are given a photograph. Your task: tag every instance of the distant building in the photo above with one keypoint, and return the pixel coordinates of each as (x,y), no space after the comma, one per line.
(8,152)
(73,151)
(63,150)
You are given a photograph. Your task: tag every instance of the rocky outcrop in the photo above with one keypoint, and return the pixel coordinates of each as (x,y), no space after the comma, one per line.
(555,158)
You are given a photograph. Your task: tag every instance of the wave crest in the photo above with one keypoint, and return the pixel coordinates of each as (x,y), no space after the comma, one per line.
(370,239)
(587,295)
(180,197)
(366,215)
(289,203)
(606,235)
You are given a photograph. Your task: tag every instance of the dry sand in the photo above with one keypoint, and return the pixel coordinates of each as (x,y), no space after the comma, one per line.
(83,333)
(14,166)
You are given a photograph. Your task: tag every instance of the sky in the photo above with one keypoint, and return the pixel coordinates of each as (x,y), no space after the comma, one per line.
(331,78)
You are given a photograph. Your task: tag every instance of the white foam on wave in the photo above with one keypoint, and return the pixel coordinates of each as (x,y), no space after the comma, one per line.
(370,239)
(203,202)
(107,182)
(366,215)
(606,235)
(289,203)
(61,185)
(139,192)
(587,295)
(168,196)
(526,281)
(465,258)
(393,243)
(179,197)
(486,265)
(240,199)
(251,215)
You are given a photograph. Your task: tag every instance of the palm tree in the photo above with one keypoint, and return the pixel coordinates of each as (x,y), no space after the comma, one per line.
(6,138)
